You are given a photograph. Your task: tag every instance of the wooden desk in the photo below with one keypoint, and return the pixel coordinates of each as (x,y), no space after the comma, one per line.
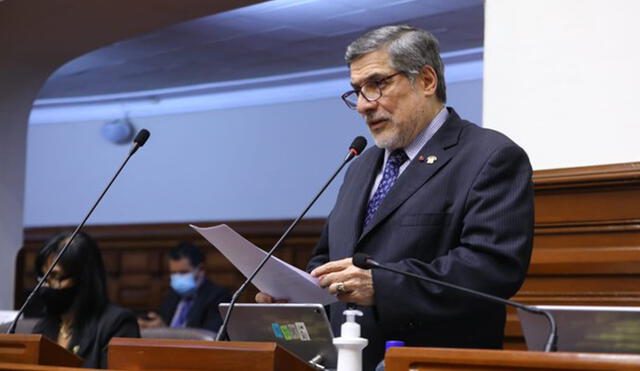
(36,350)
(165,354)
(440,359)
(26,367)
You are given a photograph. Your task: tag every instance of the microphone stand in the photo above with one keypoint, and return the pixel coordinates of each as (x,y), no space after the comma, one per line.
(551,343)
(236,295)
(139,141)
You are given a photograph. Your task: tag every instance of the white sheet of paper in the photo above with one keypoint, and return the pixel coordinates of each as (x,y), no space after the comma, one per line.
(277,278)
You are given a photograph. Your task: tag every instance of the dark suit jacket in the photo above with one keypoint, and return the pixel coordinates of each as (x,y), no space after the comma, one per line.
(204,312)
(466,219)
(92,340)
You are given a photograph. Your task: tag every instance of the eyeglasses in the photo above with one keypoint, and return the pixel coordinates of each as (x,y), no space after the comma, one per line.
(370,90)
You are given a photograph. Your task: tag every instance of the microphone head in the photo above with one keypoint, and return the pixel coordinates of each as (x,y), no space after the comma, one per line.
(142,137)
(358,145)
(361,260)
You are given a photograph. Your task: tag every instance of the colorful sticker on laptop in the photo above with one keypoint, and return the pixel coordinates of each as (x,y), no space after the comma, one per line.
(276,330)
(285,332)
(293,331)
(302,331)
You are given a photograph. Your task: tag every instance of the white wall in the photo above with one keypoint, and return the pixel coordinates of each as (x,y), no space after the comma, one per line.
(259,162)
(562,79)
(466,98)
(255,162)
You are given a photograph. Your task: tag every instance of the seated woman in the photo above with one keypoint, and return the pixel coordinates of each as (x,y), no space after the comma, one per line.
(79,316)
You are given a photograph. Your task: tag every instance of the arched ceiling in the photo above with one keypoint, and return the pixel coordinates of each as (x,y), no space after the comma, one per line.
(265,39)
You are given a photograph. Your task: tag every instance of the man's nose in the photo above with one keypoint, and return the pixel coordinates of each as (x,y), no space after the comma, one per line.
(364,105)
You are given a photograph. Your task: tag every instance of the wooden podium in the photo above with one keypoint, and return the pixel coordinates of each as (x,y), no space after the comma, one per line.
(441,359)
(165,354)
(27,367)
(35,350)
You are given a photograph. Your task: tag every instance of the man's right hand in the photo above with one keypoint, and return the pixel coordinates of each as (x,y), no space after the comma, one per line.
(261,297)
(152,320)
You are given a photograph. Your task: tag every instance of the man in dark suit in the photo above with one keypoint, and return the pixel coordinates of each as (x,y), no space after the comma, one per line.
(438,196)
(193,299)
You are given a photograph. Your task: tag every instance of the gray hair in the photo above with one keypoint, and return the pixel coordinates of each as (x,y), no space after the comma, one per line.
(410,49)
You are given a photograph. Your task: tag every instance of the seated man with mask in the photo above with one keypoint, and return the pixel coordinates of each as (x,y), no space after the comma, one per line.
(193,299)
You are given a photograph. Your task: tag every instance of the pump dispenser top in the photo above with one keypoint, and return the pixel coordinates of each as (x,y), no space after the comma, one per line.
(350,328)
(350,344)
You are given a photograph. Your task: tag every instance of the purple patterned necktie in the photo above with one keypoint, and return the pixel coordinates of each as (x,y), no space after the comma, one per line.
(180,319)
(389,176)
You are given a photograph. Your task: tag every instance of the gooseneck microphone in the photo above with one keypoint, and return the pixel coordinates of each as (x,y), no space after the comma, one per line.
(138,141)
(358,144)
(364,261)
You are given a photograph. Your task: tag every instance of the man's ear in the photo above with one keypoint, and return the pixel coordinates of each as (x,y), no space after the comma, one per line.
(429,81)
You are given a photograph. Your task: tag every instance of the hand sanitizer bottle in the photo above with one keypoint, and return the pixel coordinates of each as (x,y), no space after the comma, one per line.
(350,344)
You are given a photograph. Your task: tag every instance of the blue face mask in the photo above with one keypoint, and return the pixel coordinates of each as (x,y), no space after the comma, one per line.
(183,283)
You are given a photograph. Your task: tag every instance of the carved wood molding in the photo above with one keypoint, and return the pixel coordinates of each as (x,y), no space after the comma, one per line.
(588,176)
(180,231)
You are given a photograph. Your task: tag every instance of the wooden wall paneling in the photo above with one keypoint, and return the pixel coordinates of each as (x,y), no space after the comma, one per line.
(135,256)
(587,240)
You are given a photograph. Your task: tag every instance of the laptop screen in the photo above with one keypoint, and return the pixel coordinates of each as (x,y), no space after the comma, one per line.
(302,329)
(585,328)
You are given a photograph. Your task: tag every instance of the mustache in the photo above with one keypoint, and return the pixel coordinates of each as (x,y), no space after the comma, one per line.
(372,119)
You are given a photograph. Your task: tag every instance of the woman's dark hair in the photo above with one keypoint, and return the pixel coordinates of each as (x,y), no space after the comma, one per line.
(82,261)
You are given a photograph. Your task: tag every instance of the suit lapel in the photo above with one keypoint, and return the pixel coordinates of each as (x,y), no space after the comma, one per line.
(418,173)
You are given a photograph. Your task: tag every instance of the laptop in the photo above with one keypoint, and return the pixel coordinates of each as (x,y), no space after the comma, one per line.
(596,329)
(302,329)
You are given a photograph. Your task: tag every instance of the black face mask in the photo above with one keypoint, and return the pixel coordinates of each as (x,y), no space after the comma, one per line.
(58,301)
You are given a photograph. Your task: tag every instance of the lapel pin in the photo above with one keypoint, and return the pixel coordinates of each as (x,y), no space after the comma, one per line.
(421,158)
(431,159)
(76,349)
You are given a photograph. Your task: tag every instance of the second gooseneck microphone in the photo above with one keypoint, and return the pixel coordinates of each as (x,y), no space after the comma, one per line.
(364,261)
(357,146)
(138,141)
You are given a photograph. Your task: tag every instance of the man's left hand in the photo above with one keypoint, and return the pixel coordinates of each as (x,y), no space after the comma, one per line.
(350,283)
